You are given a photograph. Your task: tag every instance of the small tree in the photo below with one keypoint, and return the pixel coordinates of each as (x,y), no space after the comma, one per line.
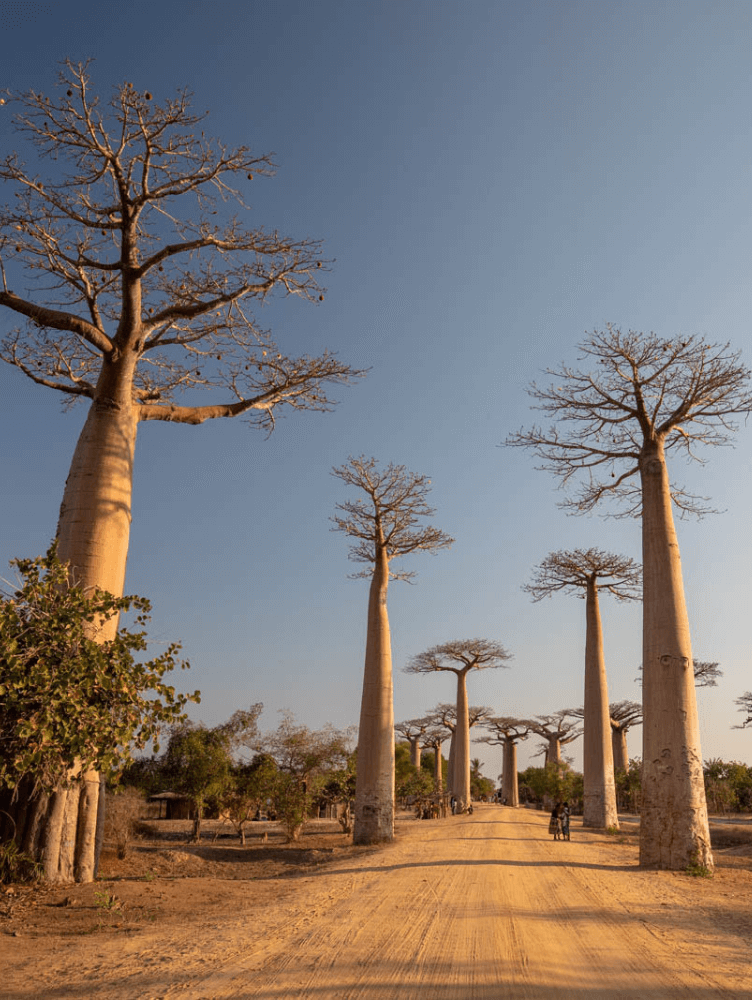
(249,785)
(385,526)
(198,764)
(71,706)
(460,657)
(481,787)
(304,759)
(131,291)
(586,572)
(639,400)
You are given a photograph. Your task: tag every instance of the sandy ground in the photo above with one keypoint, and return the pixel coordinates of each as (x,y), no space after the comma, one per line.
(481,907)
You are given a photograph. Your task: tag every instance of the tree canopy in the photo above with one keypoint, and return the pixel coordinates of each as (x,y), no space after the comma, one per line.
(67,699)
(125,254)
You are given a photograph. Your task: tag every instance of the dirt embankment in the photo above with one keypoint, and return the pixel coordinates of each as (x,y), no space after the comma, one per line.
(485,907)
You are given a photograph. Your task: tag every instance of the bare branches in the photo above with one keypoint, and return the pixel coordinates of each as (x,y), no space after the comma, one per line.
(388,518)
(745,705)
(680,393)
(572,571)
(459,656)
(706,673)
(123,245)
(504,729)
(558,726)
(625,714)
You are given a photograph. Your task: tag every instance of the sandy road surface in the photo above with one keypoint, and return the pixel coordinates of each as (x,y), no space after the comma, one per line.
(485,907)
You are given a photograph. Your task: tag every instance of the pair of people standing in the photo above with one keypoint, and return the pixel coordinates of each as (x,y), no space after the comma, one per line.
(559,822)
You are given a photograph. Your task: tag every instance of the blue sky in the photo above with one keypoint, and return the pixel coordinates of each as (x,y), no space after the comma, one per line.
(492,180)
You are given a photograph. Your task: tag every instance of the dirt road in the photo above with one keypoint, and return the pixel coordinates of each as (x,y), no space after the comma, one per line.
(485,907)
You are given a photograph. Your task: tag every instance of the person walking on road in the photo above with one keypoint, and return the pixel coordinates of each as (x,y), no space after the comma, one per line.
(565,814)
(554,825)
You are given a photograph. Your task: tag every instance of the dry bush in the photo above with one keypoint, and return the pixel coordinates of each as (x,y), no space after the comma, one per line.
(122,813)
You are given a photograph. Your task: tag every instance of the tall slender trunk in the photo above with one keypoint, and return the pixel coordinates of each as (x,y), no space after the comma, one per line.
(414,742)
(461,766)
(599,808)
(674,820)
(619,748)
(437,776)
(509,786)
(93,535)
(374,785)
(450,763)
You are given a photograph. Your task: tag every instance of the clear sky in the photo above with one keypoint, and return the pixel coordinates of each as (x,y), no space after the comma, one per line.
(493,179)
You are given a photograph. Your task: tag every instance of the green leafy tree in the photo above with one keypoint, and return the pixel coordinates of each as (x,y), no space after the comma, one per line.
(198,764)
(305,759)
(250,784)
(71,705)
(556,781)
(480,786)
(629,785)
(728,785)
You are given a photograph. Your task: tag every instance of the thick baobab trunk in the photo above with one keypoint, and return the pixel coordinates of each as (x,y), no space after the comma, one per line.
(674,829)
(414,742)
(461,763)
(553,751)
(450,763)
(95,515)
(599,808)
(374,785)
(509,788)
(93,534)
(619,748)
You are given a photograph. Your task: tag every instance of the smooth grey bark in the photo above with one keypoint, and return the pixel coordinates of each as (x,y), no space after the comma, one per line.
(619,747)
(674,831)
(374,784)
(599,808)
(461,741)
(509,784)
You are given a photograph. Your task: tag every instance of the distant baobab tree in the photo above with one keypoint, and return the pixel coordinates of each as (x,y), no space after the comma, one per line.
(445,715)
(384,526)
(557,730)
(508,732)
(412,730)
(460,657)
(586,573)
(637,399)
(131,292)
(624,715)
(745,705)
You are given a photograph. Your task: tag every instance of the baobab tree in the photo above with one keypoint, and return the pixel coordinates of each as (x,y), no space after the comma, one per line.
(586,573)
(557,730)
(745,705)
(412,730)
(433,739)
(460,657)
(507,732)
(131,292)
(623,715)
(445,715)
(386,525)
(639,399)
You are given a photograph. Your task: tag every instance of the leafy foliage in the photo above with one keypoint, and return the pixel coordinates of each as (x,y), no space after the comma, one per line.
(68,701)
(555,781)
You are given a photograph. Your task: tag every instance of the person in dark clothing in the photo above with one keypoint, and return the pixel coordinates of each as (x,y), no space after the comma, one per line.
(565,814)
(554,824)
